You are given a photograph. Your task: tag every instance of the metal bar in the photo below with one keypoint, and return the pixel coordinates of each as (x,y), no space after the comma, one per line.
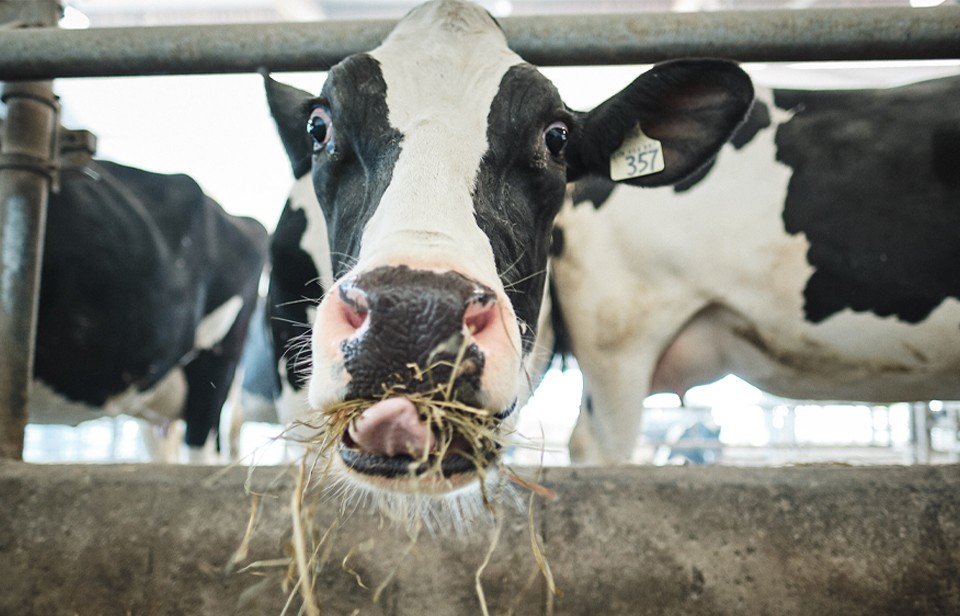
(776,35)
(920,445)
(26,170)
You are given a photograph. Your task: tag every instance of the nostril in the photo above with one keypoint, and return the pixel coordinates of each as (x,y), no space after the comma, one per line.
(480,312)
(355,306)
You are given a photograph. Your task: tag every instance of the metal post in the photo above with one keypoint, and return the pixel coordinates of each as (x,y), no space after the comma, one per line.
(919,433)
(27,156)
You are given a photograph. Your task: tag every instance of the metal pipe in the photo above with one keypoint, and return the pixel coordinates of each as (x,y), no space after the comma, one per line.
(27,150)
(775,35)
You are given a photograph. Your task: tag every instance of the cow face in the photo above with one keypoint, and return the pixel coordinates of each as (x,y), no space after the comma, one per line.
(439,161)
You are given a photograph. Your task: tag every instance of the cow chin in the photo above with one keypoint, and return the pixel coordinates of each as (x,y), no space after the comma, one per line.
(461,504)
(458,473)
(452,492)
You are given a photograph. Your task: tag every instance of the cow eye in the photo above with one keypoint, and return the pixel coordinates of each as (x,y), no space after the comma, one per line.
(555,137)
(320,128)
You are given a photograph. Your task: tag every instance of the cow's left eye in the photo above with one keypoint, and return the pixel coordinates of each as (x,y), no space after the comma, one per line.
(555,137)
(320,128)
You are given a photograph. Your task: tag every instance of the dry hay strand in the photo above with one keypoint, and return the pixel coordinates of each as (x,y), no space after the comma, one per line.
(457,428)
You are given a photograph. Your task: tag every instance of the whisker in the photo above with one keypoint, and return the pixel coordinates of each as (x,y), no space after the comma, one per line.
(302,300)
(506,271)
(289,322)
(514,283)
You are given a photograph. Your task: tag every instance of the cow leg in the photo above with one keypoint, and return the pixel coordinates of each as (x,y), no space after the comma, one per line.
(611,411)
(232,417)
(161,441)
(209,378)
(619,359)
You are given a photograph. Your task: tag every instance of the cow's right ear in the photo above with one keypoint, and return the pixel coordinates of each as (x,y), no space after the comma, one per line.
(691,107)
(286,106)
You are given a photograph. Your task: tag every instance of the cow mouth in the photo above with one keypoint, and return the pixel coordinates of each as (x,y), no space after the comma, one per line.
(398,439)
(406,466)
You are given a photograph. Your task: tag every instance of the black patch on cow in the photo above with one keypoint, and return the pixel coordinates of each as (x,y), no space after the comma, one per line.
(132,261)
(520,188)
(562,343)
(348,180)
(294,288)
(692,180)
(946,153)
(593,189)
(557,242)
(869,193)
(351,179)
(415,331)
(758,120)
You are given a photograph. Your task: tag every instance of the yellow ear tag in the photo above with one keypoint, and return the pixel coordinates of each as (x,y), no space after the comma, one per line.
(637,156)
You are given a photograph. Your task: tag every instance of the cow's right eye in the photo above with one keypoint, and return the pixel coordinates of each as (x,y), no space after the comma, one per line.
(320,128)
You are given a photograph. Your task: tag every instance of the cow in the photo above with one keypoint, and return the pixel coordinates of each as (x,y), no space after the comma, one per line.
(146,291)
(816,259)
(439,161)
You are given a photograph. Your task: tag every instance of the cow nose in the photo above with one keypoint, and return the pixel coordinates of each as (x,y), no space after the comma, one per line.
(480,307)
(402,320)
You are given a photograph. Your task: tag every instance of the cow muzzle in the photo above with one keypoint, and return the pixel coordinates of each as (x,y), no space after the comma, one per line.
(416,412)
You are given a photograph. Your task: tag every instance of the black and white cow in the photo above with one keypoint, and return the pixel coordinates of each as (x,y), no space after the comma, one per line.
(439,161)
(817,259)
(146,292)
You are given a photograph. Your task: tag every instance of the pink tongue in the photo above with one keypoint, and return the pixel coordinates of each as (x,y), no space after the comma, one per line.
(391,427)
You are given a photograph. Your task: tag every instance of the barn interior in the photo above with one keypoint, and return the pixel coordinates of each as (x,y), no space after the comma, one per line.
(738,501)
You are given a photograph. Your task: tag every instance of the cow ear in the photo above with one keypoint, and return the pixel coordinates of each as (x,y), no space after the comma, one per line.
(286,106)
(692,107)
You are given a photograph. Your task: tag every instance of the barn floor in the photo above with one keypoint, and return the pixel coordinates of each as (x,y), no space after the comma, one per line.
(143,539)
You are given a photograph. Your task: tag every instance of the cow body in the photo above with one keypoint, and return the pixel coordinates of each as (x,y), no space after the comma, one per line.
(438,162)
(146,293)
(816,259)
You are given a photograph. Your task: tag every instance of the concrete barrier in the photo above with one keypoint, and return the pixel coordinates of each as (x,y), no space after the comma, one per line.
(103,540)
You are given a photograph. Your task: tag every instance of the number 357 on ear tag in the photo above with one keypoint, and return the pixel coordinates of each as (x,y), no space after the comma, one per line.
(637,156)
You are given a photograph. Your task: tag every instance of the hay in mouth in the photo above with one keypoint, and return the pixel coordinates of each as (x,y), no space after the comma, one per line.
(464,438)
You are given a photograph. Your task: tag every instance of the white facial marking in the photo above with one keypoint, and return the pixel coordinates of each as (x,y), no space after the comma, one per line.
(439,92)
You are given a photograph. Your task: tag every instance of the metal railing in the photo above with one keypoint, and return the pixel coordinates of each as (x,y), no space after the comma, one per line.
(748,36)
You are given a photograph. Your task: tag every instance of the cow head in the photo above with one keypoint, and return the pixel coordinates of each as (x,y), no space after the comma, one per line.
(440,160)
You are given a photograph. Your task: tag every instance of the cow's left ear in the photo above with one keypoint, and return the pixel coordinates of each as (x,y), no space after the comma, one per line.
(692,107)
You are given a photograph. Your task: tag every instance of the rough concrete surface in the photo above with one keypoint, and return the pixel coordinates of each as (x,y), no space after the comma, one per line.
(104,540)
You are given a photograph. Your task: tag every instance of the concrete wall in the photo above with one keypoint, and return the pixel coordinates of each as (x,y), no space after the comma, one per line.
(154,540)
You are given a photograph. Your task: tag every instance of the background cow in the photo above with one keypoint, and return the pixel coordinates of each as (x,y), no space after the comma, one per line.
(439,161)
(816,259)
(146,292)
